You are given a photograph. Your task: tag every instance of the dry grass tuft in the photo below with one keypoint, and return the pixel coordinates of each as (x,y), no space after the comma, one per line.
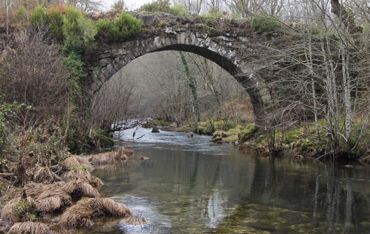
(8,212)
(79,188)
(134,220)
(85,162)
(53,201)
(18,209)
(125,151)
(44,175)
(96,182)
(30,228)
(83,213)
(109,158)
(77,163)
(70,162)
(49,198)
(84,176)
(56,197)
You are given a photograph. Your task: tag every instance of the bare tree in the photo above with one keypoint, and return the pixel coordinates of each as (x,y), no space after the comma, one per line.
(40,80)
(113,104)
(193,6)
(119,6)
(8,5)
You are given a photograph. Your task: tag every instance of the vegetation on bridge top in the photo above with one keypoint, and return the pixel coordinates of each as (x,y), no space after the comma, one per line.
(80,32)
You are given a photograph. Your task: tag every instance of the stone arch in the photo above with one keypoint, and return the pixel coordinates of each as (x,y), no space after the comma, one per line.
(112,57)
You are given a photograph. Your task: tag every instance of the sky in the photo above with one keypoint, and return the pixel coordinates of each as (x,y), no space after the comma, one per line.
(131,4)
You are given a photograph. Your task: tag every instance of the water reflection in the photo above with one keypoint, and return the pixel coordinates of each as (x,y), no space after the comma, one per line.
(193,192)
(215,210)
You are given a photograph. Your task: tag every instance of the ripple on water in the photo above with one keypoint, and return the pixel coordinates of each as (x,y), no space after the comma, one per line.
(142,207)
(176,141)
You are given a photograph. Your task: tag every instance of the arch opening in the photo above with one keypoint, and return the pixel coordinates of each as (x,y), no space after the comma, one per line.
(114,57)
(167,86)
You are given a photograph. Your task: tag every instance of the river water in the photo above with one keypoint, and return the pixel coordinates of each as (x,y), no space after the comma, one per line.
(189,185)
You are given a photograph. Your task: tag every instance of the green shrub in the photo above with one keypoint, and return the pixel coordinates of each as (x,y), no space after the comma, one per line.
(25,210)
(21,15)
(205,128)
(124,27)
(157,6)
(224,125)
(75,67)
(292,135)
(101,138)
(247,133)
(209,127)
(6,109)
(164,6)
(265,24)
(107,29)
(179,10)
(39,17)
(212,16)
(128,26)
(55,23)
(79,32)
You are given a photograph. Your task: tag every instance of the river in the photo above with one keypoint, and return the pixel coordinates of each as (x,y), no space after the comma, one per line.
(189,185)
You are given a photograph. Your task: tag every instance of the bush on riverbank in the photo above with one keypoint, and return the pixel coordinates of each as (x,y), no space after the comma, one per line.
(211,126)
(227,131)
(312,140)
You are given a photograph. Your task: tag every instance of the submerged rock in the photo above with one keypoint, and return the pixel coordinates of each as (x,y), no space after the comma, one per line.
(142,158)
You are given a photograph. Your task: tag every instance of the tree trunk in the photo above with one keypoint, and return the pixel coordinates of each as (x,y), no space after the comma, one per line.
(193,88)
(347,94)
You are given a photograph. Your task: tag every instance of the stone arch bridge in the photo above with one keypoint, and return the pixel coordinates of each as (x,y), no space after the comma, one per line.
(230,44)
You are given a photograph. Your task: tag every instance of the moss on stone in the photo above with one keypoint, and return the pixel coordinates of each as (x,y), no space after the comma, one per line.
(205,128)
(247,133)
(211,126)
(205,28)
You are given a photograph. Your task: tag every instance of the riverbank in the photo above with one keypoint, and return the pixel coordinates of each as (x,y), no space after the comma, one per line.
(304,141)
(62,198)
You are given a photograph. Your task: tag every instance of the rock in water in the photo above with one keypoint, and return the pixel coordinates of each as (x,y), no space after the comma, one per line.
(155,130)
